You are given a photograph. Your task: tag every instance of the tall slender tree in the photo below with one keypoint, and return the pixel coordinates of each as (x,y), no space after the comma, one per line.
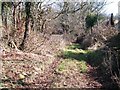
(0,19)
(27,20)
(4,14)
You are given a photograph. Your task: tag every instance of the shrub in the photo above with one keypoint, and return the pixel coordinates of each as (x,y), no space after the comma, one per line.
(91,20)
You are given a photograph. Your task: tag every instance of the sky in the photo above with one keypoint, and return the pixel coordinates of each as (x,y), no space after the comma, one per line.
(112,8)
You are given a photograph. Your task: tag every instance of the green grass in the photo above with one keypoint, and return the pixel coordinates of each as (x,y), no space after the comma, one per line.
(74,52)
(67,65)
(1,85)
(61,67)
(74,58)
(82,66)
(74,46)
(77,58)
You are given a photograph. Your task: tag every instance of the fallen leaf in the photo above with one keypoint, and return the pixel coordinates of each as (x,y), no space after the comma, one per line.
(21,76)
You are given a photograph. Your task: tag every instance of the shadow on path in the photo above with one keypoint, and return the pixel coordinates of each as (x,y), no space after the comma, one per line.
(96,59)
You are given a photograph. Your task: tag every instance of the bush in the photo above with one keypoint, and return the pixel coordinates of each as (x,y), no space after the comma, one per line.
(91,20)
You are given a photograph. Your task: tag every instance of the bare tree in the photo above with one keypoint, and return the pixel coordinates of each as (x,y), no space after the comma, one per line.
(27,10)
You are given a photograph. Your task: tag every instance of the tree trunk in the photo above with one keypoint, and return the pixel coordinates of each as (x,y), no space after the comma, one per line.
(111,20)
(14,16)
(27,10)
(4,14)
(0,20)
(119,16)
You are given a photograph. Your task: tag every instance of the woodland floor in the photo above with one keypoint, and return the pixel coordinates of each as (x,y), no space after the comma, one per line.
(51,70)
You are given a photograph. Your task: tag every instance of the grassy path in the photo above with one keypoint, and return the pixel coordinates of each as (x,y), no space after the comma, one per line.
(74,71)
(66,69)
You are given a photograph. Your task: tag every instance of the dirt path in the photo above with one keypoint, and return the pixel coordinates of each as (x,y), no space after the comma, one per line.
(32,70)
